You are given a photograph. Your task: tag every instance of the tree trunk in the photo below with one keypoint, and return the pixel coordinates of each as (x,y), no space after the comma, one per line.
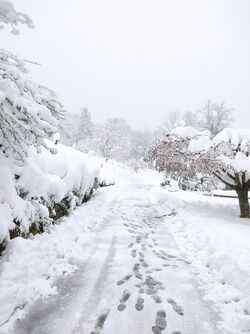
(243,201)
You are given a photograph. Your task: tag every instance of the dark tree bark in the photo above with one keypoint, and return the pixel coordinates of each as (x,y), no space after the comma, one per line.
(242,193)
(241,187)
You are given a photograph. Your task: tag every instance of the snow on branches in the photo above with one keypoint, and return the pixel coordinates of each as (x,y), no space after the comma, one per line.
(186,151)
(28,111)
(8,15)
(176,152)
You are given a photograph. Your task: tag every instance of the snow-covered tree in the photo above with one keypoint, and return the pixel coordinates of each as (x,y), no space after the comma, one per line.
(171,153)
(75,129)
(190,118)
(68,128)
(186,151)
(228,159)
(85,127)
(173,119)
(112,139)
(28,111)
(214,117)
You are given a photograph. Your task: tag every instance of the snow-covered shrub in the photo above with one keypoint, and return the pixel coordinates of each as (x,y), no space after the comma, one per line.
(45,188)
(186,151)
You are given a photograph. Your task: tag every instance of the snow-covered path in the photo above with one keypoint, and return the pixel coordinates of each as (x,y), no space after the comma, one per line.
(132,278)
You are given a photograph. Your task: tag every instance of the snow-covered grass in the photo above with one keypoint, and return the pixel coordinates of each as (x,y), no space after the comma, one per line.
(216,242)
(28,193)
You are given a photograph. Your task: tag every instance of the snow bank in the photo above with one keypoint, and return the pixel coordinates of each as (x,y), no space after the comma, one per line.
(30,267)
(28,194)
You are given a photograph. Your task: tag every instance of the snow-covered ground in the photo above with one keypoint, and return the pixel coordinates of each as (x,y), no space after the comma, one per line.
(121,264)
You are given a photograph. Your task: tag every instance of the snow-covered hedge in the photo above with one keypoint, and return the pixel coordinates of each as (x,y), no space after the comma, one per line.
(45,188)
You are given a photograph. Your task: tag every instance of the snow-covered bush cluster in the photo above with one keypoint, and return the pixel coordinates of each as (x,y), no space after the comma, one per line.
(186,151)
(45,188)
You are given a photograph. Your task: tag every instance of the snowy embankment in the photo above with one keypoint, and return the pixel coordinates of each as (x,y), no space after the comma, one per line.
(216,242)
(30,267)
(46,187)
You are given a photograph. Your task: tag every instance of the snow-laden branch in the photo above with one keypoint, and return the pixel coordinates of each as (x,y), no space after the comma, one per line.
(28,111)
(8,15)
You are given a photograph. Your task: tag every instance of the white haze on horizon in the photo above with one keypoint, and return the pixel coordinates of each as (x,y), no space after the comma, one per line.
(139,59)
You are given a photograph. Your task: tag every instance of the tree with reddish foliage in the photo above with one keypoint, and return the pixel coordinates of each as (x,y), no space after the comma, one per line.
(186,151)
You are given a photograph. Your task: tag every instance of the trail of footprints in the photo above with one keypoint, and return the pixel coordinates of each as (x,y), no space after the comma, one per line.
(147,284)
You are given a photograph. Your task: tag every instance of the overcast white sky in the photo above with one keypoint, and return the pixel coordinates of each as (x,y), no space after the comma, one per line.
(139,59)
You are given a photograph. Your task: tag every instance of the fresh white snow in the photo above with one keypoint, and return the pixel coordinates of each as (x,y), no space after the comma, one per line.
(122,263)
(45,178)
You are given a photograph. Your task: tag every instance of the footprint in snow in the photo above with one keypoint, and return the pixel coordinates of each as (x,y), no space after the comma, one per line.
(125,296)
(139,304)
(160,322)
(133,253)
(141,255)
(157,299)
(125,279)
(177,308)
(143,263)
(136,271)
(138,239)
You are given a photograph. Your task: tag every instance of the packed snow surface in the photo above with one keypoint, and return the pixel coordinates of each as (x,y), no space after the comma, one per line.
(124,262)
